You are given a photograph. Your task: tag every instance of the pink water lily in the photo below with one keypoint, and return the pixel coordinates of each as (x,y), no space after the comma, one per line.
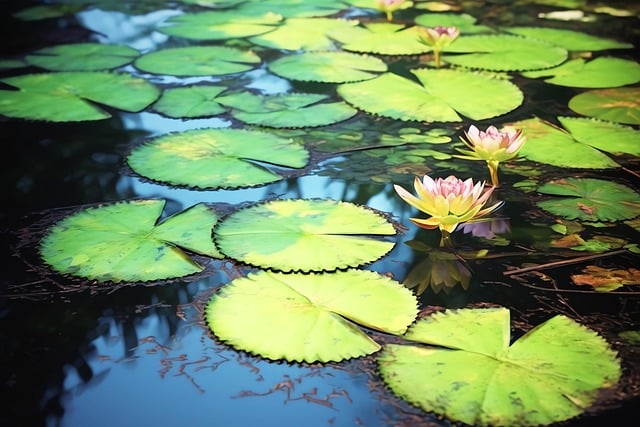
(390,6)
(448,202)
(493,146)
(437,38)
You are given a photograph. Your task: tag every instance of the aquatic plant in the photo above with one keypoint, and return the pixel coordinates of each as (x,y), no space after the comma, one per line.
(437,38)
(390,6)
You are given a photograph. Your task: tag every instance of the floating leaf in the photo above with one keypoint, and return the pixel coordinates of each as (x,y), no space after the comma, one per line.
(462,21)
(293,8)
(605,136)
(64,96)
(328,67)
(590,199)
(304,33)
(198,61)
(318,314)
(606,279)
(220,25)
(190,102)
(82,57)
(620,105)
(121,242)
(550,374)
(439,97)
(569,39)
(216,158)
(287,110)
(502,52)
(554,146)
(601,72)
(304,235)
(383,38)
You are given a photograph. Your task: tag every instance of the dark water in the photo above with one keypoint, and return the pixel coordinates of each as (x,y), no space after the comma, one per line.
(142,356)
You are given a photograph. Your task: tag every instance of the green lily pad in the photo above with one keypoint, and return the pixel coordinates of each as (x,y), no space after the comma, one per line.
(65,96)
(328,67)
(590,199)
(304,34)
(288,110)
(216,158)
(318,314)
(580,145)
(569,39)
(293,8)
(463,21)
(551,374)
(190,102)
(502,52)
(382,38)
(219,25)
(439,97)
(304,235)
(122,242)
(601,72)
(620,105)
(198,61)
(82,57)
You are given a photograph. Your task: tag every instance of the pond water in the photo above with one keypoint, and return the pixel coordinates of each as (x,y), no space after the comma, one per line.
(76,353)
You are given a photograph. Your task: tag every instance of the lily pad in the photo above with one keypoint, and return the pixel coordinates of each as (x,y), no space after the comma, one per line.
(502,52)
(383,38)
(328,67)
(551,374)
(122,242)
(304,235)
(439,97)
(216,158)
(463,21)
(219,25)
(601,72)
(318,314)
(65,96)
(579,145)
(304,34)
(82,57)
(289,110)
(190,102)
(198,61)
(590,199)
(620,105)
(569,39)
(293,8)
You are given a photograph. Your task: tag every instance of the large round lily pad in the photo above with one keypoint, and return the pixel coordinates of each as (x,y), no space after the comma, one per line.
(472,375)
(305,235)
(590,199)
(601,72)
(82,57)
(216,158)
(219,25)
(122,242)
(620,105)
(309,317)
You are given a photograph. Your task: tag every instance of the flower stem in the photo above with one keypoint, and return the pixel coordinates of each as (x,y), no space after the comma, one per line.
(493,172)
(389,16)
(436,57)
(445,240)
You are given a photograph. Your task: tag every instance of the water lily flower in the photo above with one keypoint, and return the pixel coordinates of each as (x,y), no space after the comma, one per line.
(437,38)
(390,6)
(449,202)
(493,146)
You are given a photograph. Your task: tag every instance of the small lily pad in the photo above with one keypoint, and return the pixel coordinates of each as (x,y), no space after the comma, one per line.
(590,199)
(216,158)
(66,96)
(318,314)
(198,61)
(305,235)
(304,34)
(122,242)
(620,105)
(463,21)
(382,38)
(551,374)
(569,39)
(190,102)
(288,110)
(82,57)
(601,72)
(328,67)
(219,25)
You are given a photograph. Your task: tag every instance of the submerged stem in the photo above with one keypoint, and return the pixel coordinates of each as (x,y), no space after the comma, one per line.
(445,240)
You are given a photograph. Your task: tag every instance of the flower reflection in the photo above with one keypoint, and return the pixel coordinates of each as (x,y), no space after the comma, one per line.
(390,6)
(440,271)
(488,229)
(449,202)
(437,38)
(493,146)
